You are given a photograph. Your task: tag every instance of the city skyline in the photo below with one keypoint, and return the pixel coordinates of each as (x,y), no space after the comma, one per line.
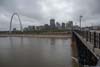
(37,12)
(52,25)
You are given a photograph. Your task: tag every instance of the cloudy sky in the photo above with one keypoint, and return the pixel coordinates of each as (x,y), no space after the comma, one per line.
(38,12)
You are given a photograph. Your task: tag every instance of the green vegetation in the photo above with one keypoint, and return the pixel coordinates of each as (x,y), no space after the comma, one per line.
(43,32)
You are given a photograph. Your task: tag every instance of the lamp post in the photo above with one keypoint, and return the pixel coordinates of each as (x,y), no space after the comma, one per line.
(80,19)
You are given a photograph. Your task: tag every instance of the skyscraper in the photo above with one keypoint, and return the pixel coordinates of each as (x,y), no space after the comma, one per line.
(31,28)
(63,25)
(52,23)
(46,27)
(58,25)
(69,25)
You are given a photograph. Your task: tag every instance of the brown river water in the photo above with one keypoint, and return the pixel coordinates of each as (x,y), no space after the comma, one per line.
(35,52)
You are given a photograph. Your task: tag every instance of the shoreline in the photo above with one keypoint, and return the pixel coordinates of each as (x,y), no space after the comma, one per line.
(38,36)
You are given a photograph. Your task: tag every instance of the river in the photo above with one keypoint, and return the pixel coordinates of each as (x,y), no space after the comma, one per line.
(35,52)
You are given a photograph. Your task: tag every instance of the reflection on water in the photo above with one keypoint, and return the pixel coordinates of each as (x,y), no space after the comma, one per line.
(35,52)
(52,41)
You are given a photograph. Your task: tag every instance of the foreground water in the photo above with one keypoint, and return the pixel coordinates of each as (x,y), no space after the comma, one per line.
(35,52)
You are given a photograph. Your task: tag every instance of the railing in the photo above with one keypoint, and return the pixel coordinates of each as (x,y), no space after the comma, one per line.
(90,36)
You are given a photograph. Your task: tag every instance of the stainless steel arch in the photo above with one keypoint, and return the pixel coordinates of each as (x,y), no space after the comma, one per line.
(21,28)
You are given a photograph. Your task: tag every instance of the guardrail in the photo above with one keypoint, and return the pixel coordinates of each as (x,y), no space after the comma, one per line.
(90,36)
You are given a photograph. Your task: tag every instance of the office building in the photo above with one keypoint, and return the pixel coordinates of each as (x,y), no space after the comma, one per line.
(52,23)
(63,25)
(58,25)
(46,26)
(69,25)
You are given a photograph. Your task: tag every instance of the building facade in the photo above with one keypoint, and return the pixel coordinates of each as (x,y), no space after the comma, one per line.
(52,23)
(58,26)
(63,25)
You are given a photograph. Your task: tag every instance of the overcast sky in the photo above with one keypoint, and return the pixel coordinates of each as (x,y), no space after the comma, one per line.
(39,12)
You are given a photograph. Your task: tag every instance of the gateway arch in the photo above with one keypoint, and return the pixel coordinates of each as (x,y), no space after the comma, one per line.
(15,14)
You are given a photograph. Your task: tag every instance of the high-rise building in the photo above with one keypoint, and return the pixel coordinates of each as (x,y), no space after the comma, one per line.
(41,27)
(63,25)
(69,25)
(52,23)
(46,26)
(38,28)
(58,25)
(31,28)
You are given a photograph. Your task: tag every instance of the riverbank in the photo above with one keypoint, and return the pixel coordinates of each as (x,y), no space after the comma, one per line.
(37,36)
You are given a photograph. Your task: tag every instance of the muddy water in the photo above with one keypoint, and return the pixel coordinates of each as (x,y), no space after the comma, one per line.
(35,52)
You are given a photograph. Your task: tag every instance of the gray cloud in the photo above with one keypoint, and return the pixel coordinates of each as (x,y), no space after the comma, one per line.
(36,12)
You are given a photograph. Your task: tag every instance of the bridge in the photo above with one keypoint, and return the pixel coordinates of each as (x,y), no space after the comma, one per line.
(88,47)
